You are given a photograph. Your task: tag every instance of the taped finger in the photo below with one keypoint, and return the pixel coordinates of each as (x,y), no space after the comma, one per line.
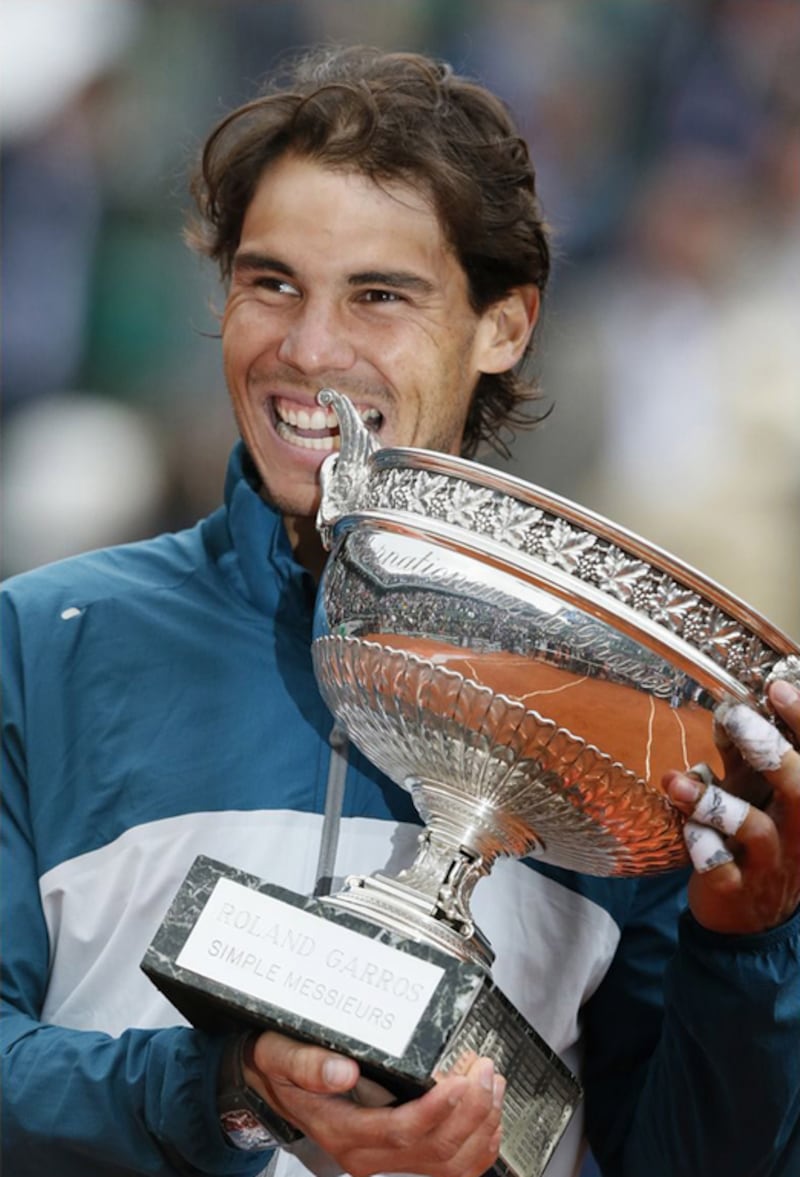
(706,847)
(723,811)
(758,740)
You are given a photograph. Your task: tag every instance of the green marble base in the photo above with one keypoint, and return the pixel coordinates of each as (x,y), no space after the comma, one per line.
(215,1005)
(236,952)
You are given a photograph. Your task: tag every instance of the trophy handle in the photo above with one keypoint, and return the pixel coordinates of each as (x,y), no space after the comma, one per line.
(344,475)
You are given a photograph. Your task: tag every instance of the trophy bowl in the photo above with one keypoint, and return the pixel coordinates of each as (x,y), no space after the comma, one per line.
(525,668)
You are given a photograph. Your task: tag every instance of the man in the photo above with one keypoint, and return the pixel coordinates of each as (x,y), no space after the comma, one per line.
(377,228)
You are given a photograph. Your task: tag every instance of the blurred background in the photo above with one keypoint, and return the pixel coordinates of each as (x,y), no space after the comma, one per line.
(666,135)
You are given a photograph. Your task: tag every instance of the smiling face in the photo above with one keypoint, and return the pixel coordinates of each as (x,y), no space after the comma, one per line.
(338,282)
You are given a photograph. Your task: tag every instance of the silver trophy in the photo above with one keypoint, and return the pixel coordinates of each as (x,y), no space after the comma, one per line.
(527,671)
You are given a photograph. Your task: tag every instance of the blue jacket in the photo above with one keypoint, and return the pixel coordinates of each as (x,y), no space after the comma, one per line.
(159,702)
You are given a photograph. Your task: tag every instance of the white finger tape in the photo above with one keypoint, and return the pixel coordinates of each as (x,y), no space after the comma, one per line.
(706,848)
(758,740)
(723,811)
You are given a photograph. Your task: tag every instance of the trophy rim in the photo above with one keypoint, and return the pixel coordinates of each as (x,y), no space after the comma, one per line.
(530,493)
(622,618)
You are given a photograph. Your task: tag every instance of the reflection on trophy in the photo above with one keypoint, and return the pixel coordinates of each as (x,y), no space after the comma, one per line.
(528,672)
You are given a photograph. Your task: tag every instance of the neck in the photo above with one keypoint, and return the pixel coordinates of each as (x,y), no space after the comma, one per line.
(306,544)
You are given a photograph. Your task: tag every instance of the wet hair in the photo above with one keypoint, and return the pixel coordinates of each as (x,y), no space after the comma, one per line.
(395,117)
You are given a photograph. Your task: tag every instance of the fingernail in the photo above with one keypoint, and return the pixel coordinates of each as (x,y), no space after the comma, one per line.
(486,1075)
(337,1072)
(683,789)
(498,1091)
(783,693)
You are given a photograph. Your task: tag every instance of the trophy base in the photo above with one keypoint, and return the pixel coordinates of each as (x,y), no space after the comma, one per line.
(235,952)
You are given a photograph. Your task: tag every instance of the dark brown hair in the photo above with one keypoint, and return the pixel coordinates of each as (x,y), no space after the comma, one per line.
(395,116)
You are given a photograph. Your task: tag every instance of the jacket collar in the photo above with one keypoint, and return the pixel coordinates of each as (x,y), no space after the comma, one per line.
(269,574)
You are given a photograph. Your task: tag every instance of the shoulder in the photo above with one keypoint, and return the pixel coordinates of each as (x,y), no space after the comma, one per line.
(139,568)
(110,594)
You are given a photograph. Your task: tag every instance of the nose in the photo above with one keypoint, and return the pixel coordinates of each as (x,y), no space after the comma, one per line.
(316,340)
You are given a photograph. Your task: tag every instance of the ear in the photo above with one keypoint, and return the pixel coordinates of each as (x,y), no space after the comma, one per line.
(506,327)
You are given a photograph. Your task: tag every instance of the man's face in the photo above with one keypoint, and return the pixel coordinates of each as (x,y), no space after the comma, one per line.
(339,282)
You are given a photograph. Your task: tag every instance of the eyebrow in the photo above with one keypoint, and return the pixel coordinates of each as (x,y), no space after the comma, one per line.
(260,261)
(392,279)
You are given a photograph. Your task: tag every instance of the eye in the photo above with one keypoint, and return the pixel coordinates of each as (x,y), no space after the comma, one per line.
(381,296)
(275,285)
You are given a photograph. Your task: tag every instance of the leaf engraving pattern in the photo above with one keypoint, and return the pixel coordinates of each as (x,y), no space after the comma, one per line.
(590,558)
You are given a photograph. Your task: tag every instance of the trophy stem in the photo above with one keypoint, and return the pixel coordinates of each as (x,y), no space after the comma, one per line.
(430,898)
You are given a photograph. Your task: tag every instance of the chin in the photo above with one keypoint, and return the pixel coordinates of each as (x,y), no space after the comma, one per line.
(294,504)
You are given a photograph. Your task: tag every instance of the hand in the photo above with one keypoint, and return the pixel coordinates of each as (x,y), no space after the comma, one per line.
(757,885)
(453,1130)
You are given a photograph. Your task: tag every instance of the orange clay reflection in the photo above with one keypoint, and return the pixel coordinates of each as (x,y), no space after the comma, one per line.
(646,734)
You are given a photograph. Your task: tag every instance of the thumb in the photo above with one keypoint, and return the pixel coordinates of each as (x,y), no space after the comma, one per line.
(279,1058)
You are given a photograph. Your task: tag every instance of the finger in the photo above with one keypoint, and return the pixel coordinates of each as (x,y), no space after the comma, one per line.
(370,1094)
(719,809)
(460,1101)
(707,849)
(478,1108)
(720,823)
(454,1126)
(471,1134)
(375,1139)
(479,1152)
(712,813)
(705,802)
(785,698)
(475,1153)
(758,740)
(312,1068)
(779,763)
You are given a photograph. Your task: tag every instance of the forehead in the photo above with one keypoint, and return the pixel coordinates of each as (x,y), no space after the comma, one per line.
(311,206)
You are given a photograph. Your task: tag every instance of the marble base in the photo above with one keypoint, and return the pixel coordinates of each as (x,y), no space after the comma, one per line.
(228,962)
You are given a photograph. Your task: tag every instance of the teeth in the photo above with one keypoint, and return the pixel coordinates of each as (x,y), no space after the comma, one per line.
(327,442)
(319,418)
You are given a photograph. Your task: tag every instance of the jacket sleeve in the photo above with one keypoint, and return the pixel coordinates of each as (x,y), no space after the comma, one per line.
(693,1048)
(78,1103)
